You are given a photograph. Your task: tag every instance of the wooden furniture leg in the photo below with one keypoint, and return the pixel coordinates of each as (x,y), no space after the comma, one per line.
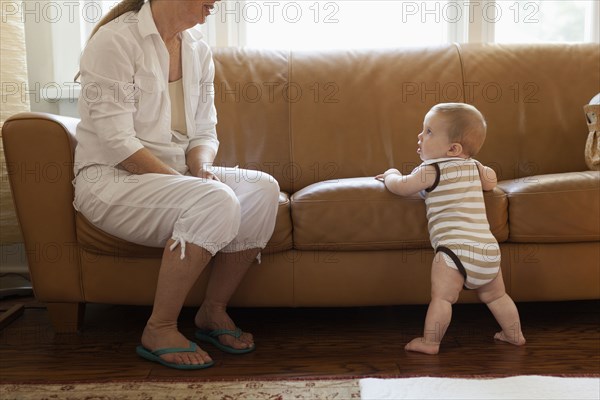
(66,317)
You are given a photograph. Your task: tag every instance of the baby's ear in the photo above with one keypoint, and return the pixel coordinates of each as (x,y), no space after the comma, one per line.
(456,149)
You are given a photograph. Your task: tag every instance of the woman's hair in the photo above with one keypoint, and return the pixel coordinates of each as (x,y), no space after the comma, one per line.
(115,12)
(118,10)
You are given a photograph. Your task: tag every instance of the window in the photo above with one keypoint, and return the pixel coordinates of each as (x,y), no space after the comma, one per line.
(323,24)
(91,13)
(544,21)
(343,24)
(57,30)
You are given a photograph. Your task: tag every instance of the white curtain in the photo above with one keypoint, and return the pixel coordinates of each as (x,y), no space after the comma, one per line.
(13,78)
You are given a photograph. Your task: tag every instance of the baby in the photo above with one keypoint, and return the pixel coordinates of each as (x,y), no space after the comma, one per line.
(466,252)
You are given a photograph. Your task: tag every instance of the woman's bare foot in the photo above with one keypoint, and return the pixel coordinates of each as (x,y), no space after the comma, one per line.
(211,317)
(155,338)
(517,341)
(420,345)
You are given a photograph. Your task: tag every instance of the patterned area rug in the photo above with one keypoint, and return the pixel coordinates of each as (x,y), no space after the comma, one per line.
(230,390)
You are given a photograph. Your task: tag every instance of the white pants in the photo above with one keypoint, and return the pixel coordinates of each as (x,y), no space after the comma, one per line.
(235,214)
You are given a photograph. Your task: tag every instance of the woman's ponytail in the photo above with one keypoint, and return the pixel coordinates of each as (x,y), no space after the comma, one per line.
(118,10)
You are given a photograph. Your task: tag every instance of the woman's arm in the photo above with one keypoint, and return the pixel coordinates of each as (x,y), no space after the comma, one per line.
(144,162)
(107,68)
(199,159)
(204,144)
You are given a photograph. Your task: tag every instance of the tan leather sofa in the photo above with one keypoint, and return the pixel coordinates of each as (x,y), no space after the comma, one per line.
(324,123)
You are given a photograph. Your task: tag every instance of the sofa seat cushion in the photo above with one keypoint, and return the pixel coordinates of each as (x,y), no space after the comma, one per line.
(554,208)
(361,214)
(96,241)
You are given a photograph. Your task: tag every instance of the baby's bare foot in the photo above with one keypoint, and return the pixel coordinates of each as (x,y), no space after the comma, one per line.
(420,345)
(518,340)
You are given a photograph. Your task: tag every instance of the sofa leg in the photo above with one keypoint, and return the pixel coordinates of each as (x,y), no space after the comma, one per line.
(66,317)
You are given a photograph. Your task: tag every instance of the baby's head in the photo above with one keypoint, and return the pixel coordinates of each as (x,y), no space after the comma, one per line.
(452,130)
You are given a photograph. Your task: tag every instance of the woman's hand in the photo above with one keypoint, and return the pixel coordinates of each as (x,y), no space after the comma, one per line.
(391,171)
(206,173)
(144,162)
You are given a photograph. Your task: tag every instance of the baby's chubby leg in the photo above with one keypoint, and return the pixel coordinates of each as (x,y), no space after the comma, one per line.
(446,284)
(504,309)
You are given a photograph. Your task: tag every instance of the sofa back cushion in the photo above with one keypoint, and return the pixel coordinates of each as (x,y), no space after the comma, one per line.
(310,116)
(253,111)
(532,97)
(361,111)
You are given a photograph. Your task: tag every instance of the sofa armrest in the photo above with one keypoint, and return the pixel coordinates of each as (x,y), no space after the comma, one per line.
(39,151)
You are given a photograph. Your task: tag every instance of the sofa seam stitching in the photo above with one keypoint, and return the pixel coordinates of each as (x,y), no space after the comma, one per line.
(292,183)
(462,68)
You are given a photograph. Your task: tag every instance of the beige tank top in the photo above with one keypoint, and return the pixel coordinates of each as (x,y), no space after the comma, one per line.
(177,107)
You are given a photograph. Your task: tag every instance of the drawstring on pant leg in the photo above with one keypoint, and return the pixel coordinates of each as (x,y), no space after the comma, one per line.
(178,241)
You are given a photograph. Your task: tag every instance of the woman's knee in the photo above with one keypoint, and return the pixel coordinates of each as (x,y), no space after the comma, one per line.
(226,202)
(219,201)
(260,191)
(268,188)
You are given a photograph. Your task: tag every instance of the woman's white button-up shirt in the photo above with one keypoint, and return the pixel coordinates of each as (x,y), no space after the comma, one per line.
(124,103)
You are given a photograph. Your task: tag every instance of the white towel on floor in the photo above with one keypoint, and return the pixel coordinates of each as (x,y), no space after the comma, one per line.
(530,387)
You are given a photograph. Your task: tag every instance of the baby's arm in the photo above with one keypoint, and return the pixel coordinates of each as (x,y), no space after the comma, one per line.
(421,178)
(488,177)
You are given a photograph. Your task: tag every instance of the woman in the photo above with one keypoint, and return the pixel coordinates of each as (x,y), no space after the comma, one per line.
(143,169)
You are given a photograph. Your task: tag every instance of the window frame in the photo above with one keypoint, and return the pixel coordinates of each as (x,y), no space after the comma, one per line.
(56,83)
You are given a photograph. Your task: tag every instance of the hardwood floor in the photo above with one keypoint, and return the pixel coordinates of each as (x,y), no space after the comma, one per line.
(563,339)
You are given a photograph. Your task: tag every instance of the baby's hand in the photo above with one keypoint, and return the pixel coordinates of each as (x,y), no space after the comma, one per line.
(391,171)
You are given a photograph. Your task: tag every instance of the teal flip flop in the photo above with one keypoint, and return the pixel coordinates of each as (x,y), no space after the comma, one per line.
(155,356)
(212,337)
